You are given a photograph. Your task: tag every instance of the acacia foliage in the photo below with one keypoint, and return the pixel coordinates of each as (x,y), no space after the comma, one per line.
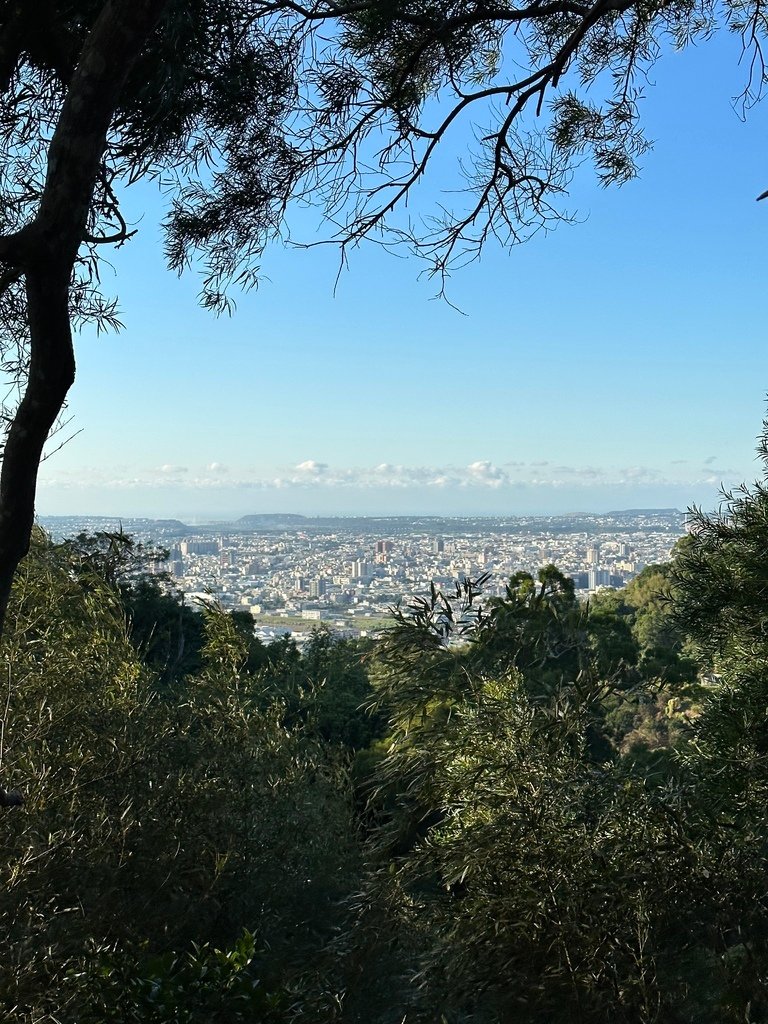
(151,824)
(189,852)
(536,875)
(721,577)
(240,107)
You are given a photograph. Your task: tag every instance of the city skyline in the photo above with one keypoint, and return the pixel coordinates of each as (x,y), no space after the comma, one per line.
(293,573)
(617,362)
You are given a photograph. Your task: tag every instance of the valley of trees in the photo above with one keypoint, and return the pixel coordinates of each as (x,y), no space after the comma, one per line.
(521,810)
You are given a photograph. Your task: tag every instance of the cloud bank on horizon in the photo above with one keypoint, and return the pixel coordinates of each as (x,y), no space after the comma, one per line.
(312,474)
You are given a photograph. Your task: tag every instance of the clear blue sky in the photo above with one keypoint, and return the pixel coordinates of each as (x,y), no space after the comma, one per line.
(615,363)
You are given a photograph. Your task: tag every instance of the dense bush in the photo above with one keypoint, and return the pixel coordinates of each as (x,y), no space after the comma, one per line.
(150,824)
(525,810)
(534,875)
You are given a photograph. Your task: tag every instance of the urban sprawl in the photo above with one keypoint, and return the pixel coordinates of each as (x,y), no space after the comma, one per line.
(293,572)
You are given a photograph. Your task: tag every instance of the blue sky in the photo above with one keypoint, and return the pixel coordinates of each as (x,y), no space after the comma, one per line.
(618,362)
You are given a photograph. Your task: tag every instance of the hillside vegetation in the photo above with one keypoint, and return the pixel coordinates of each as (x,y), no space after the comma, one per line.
(527,810)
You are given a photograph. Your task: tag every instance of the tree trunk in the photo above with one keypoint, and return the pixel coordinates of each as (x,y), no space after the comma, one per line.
(51,373)
(45,252)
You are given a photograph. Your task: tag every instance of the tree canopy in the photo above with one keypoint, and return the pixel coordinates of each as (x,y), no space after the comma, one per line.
(531,825)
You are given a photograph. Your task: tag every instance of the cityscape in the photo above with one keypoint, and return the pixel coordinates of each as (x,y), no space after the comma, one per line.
(292,573)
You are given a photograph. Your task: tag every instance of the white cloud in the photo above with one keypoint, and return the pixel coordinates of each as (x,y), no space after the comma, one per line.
(478,475)
(484,472)
(312,468)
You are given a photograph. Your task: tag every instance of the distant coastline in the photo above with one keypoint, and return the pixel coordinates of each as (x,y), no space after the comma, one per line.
(619,520)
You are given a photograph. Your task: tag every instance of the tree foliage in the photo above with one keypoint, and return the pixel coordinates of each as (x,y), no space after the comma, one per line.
(538,876)
(720,576)
(510,850)
(150,823)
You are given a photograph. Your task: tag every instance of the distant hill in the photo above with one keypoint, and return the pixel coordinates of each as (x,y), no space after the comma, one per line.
(171,525)
(646,512)
(271,521)
(60,527)
(621,521)
(624,520)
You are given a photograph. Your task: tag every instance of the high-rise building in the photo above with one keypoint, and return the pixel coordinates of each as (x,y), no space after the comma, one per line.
(593,554)
(199,547)
(598,578)
(359,569)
